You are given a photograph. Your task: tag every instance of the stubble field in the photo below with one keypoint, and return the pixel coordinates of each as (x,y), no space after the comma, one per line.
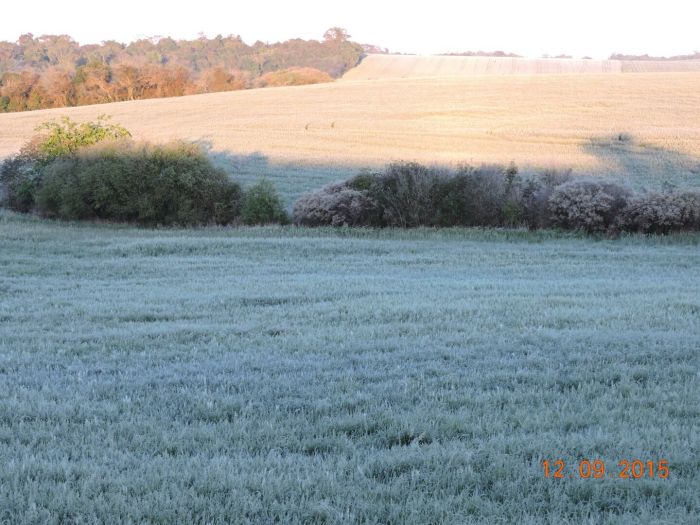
(303,137)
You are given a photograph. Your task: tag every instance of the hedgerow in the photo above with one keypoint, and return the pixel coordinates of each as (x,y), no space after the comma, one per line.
(411,195)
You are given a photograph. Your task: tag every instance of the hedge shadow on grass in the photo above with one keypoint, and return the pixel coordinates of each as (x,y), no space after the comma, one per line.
(643,164)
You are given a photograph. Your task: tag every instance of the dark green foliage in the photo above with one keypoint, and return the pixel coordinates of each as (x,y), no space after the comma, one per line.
(477,197)
(139,183)
(262,205)
(19,177)
(405,192)
(362,182)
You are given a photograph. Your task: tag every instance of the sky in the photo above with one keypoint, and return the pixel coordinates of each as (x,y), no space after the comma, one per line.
(531,28)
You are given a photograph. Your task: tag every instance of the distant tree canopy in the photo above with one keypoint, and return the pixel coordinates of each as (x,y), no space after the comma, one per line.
(55,71)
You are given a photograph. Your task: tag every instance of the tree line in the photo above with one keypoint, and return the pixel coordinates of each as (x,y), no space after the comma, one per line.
(620,56)
(56,71)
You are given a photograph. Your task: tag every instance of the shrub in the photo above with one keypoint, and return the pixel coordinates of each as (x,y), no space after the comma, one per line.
(294,76)
(140,183)
(410,194)
(535,192)
(485,196)
(21,175)
(262,205)
(64,137)
(19,178)
(336,204)
(662,212)
(405,193)
(587,205)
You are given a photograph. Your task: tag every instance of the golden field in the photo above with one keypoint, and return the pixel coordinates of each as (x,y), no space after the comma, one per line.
(410,66)
(535,120)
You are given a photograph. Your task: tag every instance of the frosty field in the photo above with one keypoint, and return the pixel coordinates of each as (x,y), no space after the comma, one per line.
(290,375)
(315,376)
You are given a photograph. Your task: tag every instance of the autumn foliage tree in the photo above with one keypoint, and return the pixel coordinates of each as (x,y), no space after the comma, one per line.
(55,71)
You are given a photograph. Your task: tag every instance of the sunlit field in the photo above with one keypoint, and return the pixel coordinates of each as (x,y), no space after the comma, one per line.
(641,127)
(324,376)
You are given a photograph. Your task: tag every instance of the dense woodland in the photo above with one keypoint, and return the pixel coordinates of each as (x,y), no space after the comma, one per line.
(56,71)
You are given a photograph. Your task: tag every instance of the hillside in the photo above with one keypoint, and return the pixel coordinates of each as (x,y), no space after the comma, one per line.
(375,67)
(304,136)
(407,66)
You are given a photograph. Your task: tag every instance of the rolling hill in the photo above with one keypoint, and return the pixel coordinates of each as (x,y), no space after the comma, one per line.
(375,67)
(304,136)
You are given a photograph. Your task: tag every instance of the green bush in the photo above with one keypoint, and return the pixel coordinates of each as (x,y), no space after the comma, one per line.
(139,183)
(65,137)
(405,194)
(485,196)
(19,178)
(21,175)
(262,205)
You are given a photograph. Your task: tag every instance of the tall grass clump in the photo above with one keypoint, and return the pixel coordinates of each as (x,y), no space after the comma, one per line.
(124,181)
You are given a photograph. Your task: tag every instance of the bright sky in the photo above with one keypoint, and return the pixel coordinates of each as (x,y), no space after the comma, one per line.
(531,28)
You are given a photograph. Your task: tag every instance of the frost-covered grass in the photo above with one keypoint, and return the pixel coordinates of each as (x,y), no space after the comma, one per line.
(343,376)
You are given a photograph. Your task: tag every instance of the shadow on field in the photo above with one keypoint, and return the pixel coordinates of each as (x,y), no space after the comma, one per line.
(645,164)
(623,157)
(291,178)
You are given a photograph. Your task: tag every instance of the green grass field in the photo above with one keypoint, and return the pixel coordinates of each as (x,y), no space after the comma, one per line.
(282,375)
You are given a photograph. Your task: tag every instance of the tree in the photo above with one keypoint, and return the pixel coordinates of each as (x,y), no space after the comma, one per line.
(92,82)
(336,34)
(58,88)
(56,71)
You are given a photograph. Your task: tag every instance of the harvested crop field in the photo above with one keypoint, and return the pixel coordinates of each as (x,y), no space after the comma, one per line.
(642,127)
(377,67)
